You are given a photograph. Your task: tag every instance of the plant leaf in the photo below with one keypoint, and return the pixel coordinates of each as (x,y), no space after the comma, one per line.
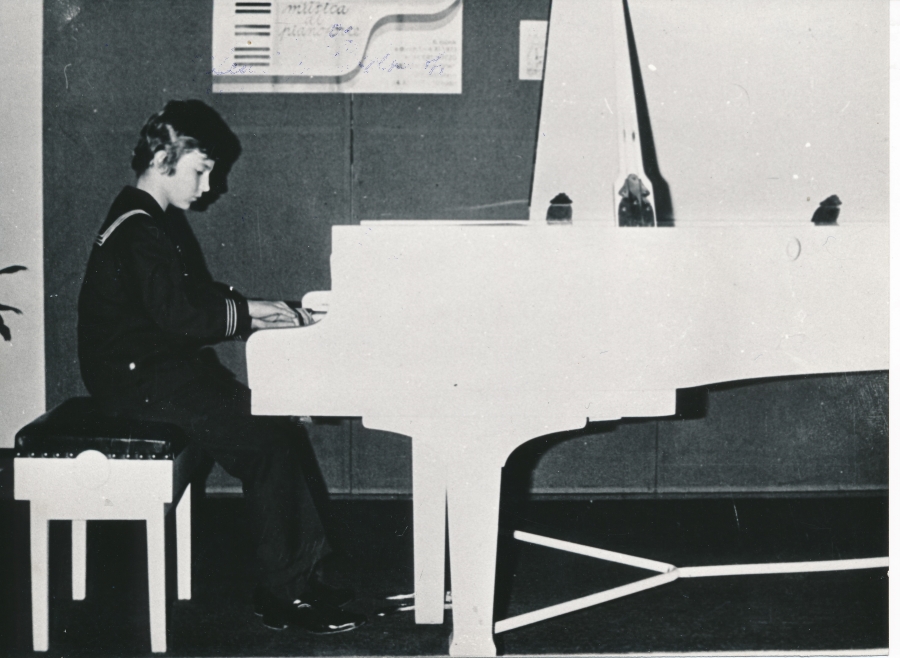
(13,268)
(4,331)
(4,307)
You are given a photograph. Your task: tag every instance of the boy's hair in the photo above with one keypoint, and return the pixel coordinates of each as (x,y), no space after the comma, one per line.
(184,126)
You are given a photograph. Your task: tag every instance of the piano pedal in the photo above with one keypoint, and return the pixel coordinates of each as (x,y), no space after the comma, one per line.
(300,421)
(398,607)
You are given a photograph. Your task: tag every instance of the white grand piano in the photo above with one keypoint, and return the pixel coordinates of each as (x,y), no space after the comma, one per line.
(473,337)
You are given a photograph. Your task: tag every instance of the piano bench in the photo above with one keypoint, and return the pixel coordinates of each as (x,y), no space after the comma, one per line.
(75,463)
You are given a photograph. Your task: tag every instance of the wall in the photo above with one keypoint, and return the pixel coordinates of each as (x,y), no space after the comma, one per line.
(312,161)
(21,227)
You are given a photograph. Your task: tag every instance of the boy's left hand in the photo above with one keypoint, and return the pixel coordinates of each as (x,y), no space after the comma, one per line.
(275,315)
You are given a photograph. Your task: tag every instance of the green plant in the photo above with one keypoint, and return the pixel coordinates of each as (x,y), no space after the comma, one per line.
(4,330)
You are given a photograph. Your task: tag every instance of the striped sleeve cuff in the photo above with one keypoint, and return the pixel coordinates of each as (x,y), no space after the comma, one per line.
(231,317)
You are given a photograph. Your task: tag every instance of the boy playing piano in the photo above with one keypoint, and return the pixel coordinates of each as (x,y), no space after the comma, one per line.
(147,307)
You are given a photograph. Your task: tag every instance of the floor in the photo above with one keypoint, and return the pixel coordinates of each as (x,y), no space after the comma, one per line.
(794,612)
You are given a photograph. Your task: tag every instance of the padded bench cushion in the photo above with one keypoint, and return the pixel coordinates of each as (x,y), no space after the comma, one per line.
(78,425)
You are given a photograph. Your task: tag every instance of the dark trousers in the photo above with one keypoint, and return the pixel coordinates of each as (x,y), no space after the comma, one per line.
(264,452)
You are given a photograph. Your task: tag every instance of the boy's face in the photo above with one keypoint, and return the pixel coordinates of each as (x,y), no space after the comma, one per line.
(189,180)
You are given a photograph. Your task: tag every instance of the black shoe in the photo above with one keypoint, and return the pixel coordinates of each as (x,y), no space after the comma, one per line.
(317,593)
(317,619)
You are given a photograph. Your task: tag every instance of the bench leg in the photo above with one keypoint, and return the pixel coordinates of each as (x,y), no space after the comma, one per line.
(39,567)
(156,577)
(183,542)
(79,558)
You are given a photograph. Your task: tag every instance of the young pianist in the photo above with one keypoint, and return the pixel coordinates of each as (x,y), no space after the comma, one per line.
(148,306)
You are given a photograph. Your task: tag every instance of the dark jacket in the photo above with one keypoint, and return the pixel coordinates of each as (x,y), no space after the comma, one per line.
(148,302)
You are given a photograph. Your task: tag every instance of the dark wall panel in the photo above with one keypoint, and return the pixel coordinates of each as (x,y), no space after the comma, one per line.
(330,444)
(381,462)
(815,433)
(271,236)
(460,156)
(602,458)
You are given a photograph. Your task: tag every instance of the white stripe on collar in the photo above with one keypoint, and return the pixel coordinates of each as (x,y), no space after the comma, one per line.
(103,237)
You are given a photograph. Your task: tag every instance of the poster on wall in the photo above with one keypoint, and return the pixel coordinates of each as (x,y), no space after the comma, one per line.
(348,46)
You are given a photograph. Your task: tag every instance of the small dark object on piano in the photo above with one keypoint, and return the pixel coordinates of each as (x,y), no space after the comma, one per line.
(560,210)
(827,212)
(634,209)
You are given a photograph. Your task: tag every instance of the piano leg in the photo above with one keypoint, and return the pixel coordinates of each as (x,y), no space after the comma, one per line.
(429,519)
(473,503)
(464,457)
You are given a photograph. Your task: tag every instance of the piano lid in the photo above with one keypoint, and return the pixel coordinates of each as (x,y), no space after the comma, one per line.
(758,110)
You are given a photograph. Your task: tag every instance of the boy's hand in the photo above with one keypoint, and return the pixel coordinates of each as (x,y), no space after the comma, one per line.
(275,315)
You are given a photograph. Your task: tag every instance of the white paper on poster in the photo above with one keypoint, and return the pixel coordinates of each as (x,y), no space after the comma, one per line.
(349,46)
(532,45)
